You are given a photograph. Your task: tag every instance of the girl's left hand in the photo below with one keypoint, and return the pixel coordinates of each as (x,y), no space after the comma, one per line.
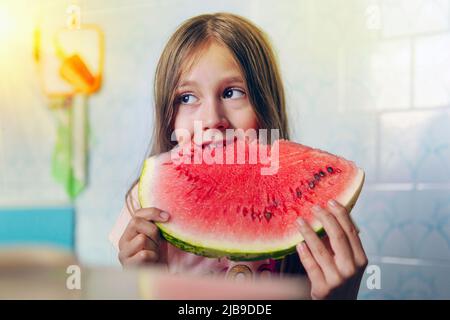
(335,264)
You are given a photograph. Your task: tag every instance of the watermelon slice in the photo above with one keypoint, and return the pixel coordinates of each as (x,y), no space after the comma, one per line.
(224,202)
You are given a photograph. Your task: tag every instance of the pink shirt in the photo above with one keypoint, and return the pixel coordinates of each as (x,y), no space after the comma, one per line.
(179,261)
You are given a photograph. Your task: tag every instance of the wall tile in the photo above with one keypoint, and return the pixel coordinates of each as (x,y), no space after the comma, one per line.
(414,146)
(390,74)
(400,282)
(432,71)
(405,17)
(408,224)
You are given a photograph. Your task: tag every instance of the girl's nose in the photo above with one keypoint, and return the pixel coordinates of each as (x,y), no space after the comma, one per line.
(213,119)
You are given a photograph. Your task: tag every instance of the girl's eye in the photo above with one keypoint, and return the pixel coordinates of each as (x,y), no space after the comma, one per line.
(187,99)
(233,94)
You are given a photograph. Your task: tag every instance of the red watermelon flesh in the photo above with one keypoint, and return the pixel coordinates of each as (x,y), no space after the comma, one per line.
(221,208)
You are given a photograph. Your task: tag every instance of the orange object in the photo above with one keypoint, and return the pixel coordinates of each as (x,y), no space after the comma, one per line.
(75,72)
(75,66)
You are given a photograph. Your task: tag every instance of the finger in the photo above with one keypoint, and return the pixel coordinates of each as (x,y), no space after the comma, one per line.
(319,286)
(142,257)
(152,214)
(138,243)
(343,217)
(319,252)
(338,240)
(136,226)
(315,273)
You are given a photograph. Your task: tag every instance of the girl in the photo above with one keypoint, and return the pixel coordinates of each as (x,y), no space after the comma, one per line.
(219,69)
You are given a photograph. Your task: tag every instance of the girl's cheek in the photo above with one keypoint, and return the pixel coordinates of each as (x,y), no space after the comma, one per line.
(243,119)
(184,126)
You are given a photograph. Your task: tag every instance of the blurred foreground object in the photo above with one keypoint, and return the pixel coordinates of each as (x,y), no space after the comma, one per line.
(34,257)
(35,272)
(46,273)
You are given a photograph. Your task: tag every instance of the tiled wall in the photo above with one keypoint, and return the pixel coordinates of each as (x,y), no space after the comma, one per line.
(391,113)
(369,80)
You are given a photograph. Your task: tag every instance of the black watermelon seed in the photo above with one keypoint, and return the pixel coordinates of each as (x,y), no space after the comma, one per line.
(268,215)
(290,190)
(330,169)
(316,176)
(321,173)
(311,184)
(298,192)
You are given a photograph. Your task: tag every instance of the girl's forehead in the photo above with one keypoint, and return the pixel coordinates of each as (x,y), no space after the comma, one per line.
(207,56)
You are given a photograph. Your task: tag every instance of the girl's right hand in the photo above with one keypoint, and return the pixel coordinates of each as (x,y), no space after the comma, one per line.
(140,241)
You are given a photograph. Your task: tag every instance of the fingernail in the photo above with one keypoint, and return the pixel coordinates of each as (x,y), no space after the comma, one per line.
(164,215)
(300,221)
(316,208)
(332,203)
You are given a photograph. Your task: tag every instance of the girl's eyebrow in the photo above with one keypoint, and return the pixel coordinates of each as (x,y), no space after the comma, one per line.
(237,79)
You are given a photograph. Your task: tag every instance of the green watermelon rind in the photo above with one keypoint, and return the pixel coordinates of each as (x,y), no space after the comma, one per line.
(201,250)
(234,256)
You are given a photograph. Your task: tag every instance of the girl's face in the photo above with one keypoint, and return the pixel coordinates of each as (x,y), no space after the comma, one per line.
(214,93)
